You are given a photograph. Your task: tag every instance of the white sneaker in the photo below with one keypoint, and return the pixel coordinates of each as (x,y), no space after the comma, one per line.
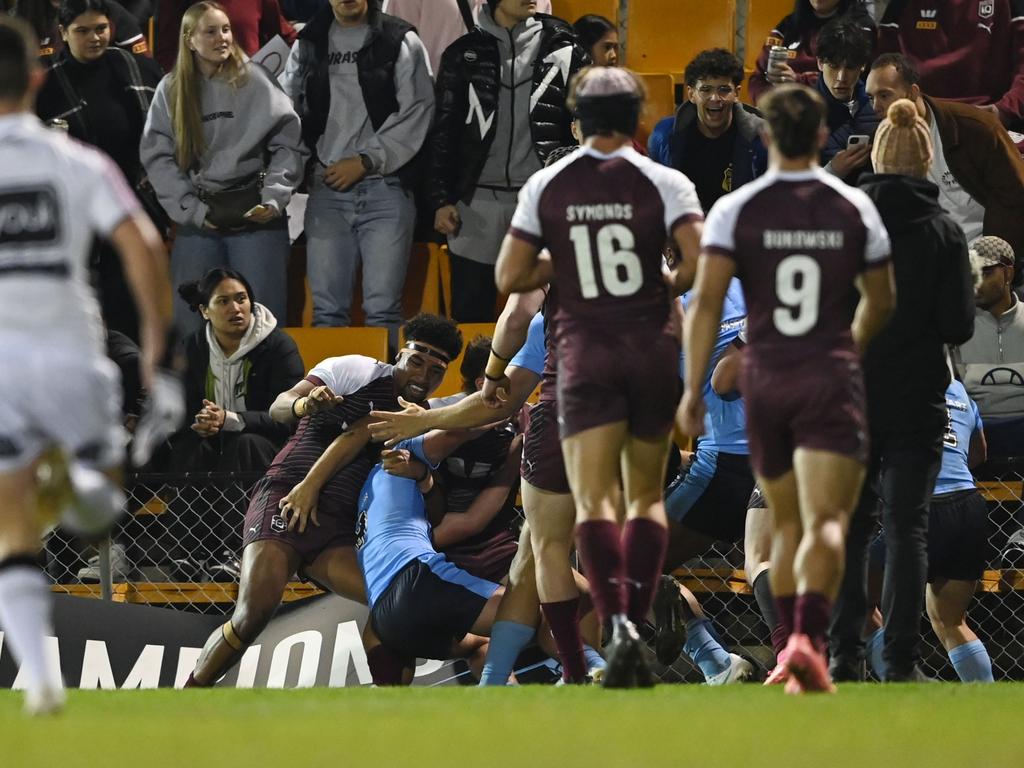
(44,701)
(121,568)
(739,669)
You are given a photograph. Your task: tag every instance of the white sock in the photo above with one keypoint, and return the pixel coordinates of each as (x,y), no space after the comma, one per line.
(25,619)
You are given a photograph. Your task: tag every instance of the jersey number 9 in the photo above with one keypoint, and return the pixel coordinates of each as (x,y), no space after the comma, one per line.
(622,273)
(798,286)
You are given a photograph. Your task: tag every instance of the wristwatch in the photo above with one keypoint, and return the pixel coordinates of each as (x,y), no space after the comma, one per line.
(367,163)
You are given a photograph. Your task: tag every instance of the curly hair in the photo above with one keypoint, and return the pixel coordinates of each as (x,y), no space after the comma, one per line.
(715,62)
(437,331)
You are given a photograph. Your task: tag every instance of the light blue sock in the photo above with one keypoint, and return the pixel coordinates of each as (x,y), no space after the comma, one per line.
(875,644)
(703,649)
(594,659)
(508,638)
(972,663)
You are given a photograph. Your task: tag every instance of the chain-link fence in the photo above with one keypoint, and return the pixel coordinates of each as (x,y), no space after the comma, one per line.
(178,547)
(996,614)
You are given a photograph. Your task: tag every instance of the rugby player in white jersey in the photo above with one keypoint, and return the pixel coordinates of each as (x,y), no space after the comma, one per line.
(61,440)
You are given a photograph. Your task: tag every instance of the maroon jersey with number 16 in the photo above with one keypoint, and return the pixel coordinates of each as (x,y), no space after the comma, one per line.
(605,220)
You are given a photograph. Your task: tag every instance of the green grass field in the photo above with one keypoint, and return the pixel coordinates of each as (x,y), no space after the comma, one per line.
(693,726)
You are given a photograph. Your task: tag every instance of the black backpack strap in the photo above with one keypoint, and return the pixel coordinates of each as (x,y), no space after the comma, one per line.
(467,15)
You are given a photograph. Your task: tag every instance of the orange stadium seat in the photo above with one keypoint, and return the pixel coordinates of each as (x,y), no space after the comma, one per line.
(317,344)
(570,10)
(663,35)
(453,380)
(661,102)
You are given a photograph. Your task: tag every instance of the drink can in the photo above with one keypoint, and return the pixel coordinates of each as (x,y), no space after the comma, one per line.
(776,56)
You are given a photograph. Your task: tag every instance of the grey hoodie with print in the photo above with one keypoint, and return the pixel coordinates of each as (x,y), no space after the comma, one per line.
(247,128)
(512,158)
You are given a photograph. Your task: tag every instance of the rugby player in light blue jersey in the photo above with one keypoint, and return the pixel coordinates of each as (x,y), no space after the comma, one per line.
(958,530)
(706,503)
(421,605)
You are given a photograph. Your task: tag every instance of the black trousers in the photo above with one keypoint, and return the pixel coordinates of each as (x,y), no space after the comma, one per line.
(900,481)
(473,291)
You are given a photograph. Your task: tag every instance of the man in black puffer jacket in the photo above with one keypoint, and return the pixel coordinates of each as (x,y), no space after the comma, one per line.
(906,376)
(500,111)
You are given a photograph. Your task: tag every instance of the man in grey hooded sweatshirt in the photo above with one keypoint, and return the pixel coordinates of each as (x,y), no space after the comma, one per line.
(500,111)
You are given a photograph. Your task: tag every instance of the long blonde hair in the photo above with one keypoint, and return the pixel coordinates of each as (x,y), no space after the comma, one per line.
(184,95)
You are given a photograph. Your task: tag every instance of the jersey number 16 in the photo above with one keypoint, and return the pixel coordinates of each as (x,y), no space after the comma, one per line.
(622,273)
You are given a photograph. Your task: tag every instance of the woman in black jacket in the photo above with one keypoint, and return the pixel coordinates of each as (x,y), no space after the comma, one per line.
(236,365)
(43,15)
(905,377)
(103,93)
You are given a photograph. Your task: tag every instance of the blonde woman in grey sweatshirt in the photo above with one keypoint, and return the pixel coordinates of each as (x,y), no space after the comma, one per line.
(223,149)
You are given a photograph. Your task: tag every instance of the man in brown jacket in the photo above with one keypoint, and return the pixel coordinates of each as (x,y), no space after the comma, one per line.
(978,170)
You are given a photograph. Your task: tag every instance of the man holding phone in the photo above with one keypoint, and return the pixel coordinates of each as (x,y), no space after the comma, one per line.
(844,51)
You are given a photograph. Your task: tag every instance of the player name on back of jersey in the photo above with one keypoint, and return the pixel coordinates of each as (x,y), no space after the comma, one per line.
(29,215)
(599,212)
(814,239)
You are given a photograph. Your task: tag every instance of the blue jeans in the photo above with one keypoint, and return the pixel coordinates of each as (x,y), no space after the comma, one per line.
(370,224)
(261,255)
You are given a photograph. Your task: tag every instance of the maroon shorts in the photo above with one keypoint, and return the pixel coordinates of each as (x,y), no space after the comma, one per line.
(543,466)
(818,404)
(263,522)
(629,375)
(489,560)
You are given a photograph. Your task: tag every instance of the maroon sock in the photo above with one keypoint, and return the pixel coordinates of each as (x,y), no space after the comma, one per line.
(600,547)
(644,543)
(565,628)
(386,666)
(813,614)
(786,607)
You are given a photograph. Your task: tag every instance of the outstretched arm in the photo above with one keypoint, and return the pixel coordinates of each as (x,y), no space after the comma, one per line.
(300,505)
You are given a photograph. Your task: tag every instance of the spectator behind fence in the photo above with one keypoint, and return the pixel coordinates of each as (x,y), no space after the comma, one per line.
(844,52)
(599,37)
(713,138)
(360,80)
(991,364)
(125,30)
(966,50)
(501,110)
(440,23)
(905,376)
(103,93)
(254,23)
(977,168)
(236,365)
(798,34)
(223,150)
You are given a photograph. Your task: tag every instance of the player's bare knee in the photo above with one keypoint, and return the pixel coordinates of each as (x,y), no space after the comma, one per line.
(250,618)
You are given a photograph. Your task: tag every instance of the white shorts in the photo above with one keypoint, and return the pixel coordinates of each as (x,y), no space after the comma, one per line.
(58,395)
